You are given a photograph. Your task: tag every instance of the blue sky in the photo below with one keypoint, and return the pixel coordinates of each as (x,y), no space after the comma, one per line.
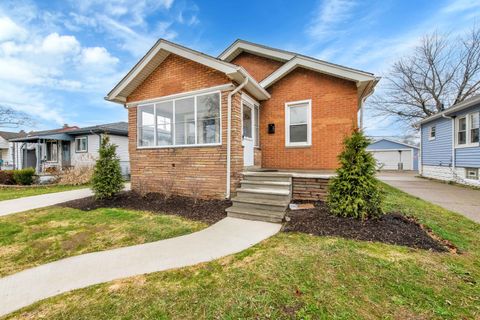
(58,59)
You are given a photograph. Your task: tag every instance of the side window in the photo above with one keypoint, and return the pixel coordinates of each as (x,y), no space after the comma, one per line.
(433,133)
(298,123)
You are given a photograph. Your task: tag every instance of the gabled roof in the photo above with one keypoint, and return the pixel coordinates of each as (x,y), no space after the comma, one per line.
(467,103)
(396,142)
(365,81)
(10,135)
(160,51)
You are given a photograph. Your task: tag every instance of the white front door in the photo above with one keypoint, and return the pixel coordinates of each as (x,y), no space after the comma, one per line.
(247,140)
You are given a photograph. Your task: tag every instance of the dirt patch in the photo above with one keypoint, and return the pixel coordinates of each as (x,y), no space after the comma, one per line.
(208,211)
(392,228)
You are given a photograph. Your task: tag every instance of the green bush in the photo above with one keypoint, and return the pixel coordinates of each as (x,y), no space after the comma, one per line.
(107,178)
(6,177)
(24,176)
(355,192)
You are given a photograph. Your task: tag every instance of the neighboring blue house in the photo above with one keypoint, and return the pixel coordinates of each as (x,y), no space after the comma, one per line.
(450,148)
(394,155)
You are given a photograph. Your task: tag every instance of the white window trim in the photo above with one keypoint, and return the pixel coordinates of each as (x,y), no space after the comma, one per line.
(468,144)
(180,97)
(308,143)
(81,151)
(430,132)
(252,103)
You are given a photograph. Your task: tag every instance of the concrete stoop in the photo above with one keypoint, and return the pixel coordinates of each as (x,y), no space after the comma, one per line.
(263,196)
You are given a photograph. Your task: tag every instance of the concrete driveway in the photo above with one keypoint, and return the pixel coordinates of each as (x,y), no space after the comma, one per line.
(463,200)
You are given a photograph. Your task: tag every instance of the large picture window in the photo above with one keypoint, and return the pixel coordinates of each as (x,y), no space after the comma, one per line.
(186,121)
(298,123)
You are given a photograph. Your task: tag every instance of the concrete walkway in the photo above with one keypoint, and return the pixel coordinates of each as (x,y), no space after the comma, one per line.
(463,200)
(44,200)
(226,237)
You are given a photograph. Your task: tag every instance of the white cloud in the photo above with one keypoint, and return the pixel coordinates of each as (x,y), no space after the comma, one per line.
(329,15)
(10,30)
(97,56)
(461,5)
(57,44)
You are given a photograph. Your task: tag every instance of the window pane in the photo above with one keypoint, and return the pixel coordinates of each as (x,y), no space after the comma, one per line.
(146,136)
(474,127)
(298,114)
(247,122)
(462,137)
(185,121)
(298,133)
(146,122)
(164,123)
(462,124)
(208,118)
(256,126)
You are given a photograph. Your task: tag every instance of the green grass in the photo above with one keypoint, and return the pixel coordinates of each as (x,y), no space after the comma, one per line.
(20,192)
(303,277)
(44,235)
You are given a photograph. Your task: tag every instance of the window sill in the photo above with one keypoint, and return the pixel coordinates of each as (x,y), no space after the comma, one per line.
(298,146)
(431,139)
(81,151)
(471,145)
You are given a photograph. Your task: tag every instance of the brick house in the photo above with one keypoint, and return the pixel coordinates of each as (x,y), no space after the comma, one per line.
(201,120)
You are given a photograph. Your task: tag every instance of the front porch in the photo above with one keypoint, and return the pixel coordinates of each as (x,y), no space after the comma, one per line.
(46,154)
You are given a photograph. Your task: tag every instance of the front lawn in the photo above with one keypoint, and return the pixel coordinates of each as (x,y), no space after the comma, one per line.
(8,193)
(293,275)
(44,235)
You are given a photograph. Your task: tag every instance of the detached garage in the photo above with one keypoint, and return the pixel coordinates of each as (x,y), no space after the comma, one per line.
(393,155)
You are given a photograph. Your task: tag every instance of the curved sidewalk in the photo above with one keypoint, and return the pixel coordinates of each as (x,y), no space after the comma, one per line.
(226,237)
(44,200)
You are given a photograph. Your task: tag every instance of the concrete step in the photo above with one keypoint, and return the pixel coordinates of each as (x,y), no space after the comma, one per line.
(260,215)
(262,204)
(267,176)
(264,193)
(257,184)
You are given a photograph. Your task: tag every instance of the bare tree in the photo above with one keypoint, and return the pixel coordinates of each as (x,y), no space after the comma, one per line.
(10,117)
(441,72)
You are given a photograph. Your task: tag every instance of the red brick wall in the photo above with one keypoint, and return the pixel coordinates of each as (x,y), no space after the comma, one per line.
(175,75)
(334,114)
(185,166)
(258,67)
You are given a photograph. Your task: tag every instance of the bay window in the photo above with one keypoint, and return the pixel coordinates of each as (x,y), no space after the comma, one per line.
(187,121)
(298,123)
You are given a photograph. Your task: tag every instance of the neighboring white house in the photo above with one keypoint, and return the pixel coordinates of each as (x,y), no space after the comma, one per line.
(69,147)
(394,155)
(7,148)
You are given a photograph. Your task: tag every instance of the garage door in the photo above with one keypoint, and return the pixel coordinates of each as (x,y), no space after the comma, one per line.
(389,160)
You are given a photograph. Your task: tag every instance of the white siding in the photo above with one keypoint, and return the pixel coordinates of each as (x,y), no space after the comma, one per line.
(448,174)
(86,158)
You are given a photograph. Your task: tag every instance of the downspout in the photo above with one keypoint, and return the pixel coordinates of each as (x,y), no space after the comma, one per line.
(453,144)
(362,101)
(229,135)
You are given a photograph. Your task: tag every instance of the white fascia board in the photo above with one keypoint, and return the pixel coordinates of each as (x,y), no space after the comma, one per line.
(186,53)
(318,66)
(252,86)
(239,46)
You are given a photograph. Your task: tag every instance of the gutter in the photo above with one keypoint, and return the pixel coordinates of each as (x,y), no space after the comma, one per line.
(229,134)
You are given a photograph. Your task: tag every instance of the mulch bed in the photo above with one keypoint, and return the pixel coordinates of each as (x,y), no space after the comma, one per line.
(392,228)
(208,211)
